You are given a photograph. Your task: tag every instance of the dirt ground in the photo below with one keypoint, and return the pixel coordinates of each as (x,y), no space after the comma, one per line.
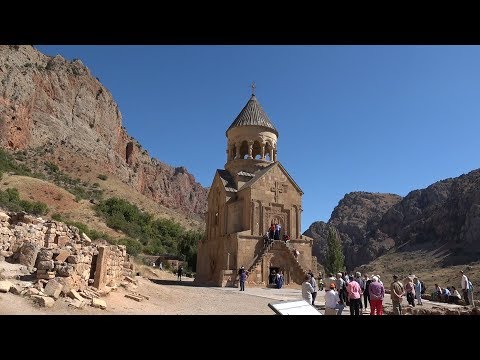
(166,296)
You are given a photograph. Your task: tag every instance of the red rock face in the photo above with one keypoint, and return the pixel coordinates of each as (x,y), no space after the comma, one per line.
(49,101)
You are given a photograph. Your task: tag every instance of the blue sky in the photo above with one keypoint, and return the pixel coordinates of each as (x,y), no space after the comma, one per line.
(350,118)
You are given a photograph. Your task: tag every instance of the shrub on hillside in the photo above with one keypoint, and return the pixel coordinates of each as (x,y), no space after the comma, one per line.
(102,177)
(9,164)
(157,236)
(133,246)
(51,167)
(10,200)
(57,217)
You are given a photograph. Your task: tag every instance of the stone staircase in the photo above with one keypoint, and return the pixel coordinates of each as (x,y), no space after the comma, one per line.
(256,261)
(298,273)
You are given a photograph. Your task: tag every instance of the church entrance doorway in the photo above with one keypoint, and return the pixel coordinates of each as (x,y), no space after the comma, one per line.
(273,273)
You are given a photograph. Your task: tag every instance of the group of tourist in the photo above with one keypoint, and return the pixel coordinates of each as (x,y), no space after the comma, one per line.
(451,295)
(273,233)
(349,290)
(342,290)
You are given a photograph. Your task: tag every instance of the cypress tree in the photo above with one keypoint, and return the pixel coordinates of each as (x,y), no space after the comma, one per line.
(334,257)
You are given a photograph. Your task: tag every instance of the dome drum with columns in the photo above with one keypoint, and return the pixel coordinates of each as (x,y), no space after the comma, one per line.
(251,193)
(252,139)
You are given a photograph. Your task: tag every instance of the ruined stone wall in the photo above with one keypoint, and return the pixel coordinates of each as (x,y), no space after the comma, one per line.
(109,267)
(54,250)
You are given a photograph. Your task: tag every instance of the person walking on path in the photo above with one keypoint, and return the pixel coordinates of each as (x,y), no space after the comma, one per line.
(376,295)
(307,290)
(396,294)
(179,273)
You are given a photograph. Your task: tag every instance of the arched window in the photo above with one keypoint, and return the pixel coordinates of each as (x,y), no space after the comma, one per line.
(233,152)
(268,149)
(257,150)
(244,150)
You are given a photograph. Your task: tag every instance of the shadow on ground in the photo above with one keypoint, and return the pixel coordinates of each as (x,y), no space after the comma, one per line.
(28,277)
(173,282)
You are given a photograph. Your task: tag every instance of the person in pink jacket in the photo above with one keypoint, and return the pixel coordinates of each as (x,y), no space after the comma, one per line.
(377,293)
(354,294)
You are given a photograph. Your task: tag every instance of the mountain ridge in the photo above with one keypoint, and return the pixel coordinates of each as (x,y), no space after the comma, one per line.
(53,110)
(445,214)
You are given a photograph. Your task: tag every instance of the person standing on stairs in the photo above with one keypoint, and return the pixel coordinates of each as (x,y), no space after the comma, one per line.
(277,232)
(271,231)
(265,239)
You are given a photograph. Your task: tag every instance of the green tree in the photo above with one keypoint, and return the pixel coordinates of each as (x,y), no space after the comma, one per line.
(334,257)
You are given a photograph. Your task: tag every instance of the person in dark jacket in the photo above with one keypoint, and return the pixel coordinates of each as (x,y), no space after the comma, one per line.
(179,272)
(366,294)
(242,274)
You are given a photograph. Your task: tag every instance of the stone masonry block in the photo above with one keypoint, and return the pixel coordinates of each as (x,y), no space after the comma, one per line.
(62,256)
(45,265)
(53,288)
(98,303)
(43,300)
(5,286)
(75,295)
(62,240)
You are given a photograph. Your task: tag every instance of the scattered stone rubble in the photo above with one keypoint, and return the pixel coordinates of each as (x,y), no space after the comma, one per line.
(434,310)
(61,261)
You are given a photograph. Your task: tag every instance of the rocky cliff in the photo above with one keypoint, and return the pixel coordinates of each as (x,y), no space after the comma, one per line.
(56,109)
(356,217)
(444,216)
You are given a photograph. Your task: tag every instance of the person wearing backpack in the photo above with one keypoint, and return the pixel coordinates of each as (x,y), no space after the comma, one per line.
(419,290)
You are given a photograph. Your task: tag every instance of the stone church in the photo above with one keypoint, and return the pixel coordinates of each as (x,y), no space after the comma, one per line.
(251,193)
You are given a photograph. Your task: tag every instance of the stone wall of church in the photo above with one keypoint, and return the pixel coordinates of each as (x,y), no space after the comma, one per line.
(304,246)
(248,247)
(215,255)
(280,202)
